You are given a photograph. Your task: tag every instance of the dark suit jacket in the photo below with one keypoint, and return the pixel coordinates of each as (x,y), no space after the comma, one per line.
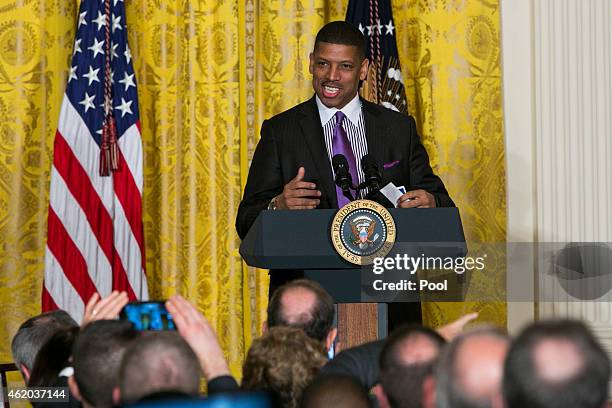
(295,138)
(360,362)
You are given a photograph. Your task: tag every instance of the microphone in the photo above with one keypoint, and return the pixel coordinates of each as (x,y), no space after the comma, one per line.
(373,177)
(343,177)
(373,181)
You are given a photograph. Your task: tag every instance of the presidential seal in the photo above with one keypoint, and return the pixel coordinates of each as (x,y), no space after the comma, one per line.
(363,230)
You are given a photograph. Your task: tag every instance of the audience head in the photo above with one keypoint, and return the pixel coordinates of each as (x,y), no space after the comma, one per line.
(283,361)
(556,364)
(52,358)
(35,332)
(96,359)
(159,363)
(304,304)
(338,391)
(406,360)
(469,372)
(341,32)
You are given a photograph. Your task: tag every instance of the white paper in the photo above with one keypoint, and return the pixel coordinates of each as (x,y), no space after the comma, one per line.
(392,193)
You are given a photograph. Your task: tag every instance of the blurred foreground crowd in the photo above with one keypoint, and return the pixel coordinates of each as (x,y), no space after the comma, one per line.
(106,362)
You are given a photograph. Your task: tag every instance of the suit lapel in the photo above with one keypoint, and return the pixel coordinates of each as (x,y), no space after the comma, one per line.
(374,130)
(315,140)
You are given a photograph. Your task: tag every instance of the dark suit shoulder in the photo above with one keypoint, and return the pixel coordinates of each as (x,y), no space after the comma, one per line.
(360,362)
(386,113)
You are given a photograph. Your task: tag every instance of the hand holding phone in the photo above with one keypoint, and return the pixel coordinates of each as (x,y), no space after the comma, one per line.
(107,308)
(199,334)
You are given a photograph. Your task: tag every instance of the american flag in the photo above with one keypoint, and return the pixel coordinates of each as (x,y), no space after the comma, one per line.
(384,84)
(95,237)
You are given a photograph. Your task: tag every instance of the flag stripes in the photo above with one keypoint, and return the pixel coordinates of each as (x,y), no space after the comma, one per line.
(95,240)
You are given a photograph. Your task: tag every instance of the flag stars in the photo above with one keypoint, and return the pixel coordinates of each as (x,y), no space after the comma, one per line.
(72,75)
(124,107)
(128,54)
(96,47)
(87,102)
(128,80)
(82,20)
(116,23)
(92,75)
(114,51)
(389,27)
(100,21)
(378,26)
(77,46)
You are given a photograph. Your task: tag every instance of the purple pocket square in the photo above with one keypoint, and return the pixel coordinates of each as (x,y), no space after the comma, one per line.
(390,164)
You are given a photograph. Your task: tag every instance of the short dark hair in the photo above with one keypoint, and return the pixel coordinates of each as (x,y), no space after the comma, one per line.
(523,385)
(159,362)
(450,393)
(402,382)
(335,390)
(53,357)
(35,332)
(97,356)
(315,324)
(341,32)
(283,362)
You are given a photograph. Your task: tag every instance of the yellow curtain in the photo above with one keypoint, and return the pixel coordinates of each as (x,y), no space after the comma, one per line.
(208,73)
(450,56)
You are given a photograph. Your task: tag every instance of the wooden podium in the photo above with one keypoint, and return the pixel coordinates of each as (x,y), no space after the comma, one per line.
(300,239)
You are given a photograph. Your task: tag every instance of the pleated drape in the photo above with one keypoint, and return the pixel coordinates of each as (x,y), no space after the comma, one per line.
(208,73)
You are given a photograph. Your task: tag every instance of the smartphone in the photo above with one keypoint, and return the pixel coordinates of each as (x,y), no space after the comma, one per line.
(148,315)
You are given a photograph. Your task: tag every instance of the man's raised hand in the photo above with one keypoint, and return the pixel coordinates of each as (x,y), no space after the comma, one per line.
(299,194)
(198,333)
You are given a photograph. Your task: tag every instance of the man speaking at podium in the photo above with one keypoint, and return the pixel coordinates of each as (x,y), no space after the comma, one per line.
(292,164)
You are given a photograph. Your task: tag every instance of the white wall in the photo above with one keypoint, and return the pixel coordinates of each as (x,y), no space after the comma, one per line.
(557,73)
(519,122)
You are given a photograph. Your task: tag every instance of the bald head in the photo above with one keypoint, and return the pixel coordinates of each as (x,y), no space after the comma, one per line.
(303,304)
(418,348)
(297,305)
(470,370)
(557,360)
(406,360)
(479,365)
(556,363)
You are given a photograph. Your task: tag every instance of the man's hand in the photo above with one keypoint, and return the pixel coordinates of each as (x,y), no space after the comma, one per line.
(104,309)
(453,329)
(298,194)
(416,199)
(197,332)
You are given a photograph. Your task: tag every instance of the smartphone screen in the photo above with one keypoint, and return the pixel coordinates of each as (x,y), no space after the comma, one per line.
(148,316)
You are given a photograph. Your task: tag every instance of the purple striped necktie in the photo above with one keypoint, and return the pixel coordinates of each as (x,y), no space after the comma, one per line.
(341,145)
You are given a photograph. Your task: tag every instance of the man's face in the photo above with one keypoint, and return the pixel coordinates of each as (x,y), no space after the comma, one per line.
(336,71)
